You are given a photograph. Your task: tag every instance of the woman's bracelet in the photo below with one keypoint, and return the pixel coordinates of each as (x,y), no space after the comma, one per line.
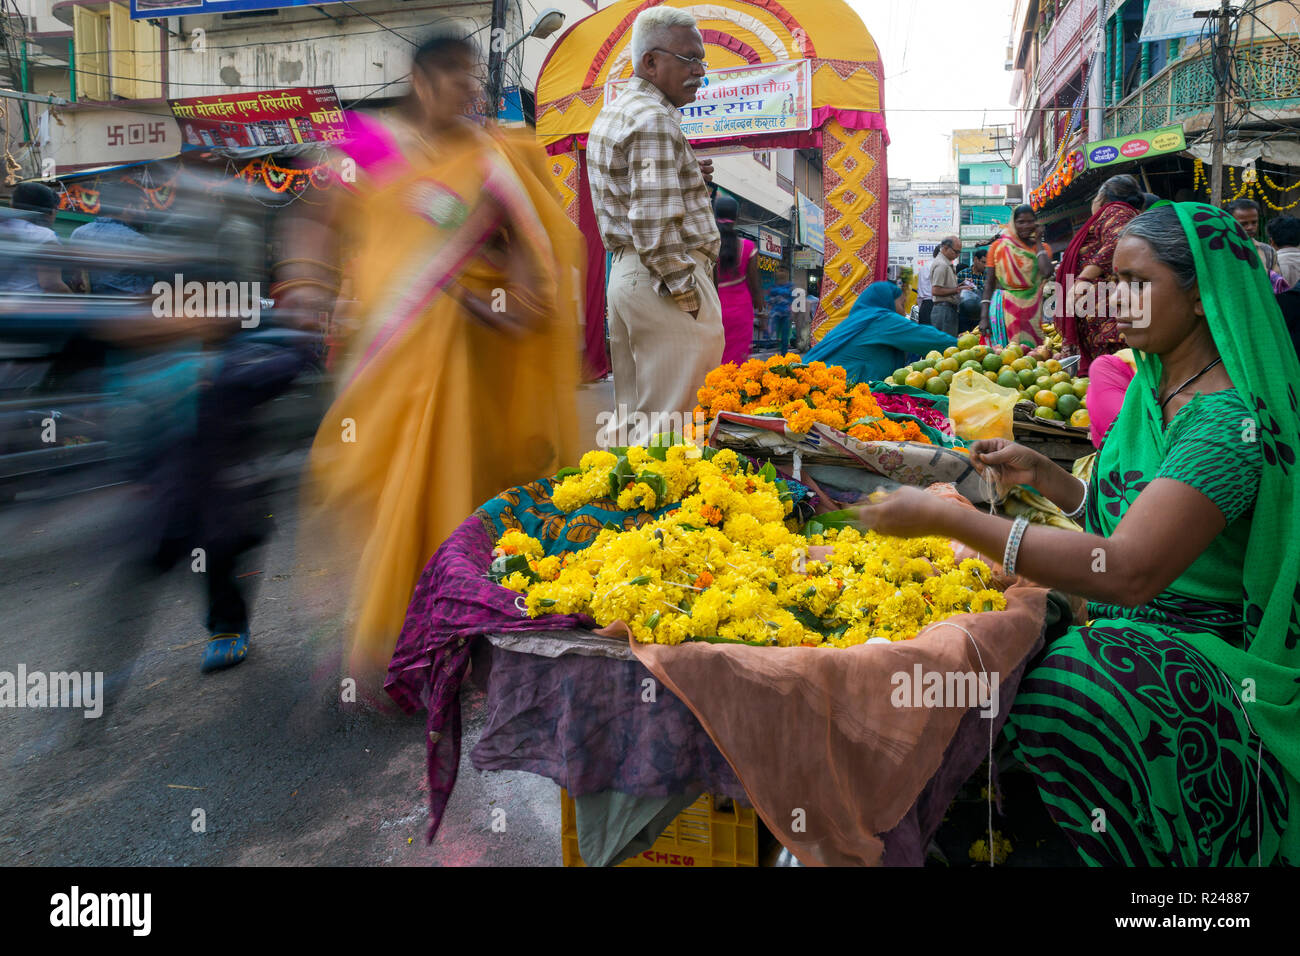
(285,284)
(1082,503)
(314,262)
(1013,544)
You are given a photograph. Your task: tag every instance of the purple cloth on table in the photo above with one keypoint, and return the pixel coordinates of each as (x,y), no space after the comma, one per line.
(582,721)
(453,604)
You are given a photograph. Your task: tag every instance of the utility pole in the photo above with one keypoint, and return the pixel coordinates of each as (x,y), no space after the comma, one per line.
(496,56)
(1221,55)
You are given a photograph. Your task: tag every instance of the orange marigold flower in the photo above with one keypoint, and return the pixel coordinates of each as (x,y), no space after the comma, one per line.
(705,579)
(712,514)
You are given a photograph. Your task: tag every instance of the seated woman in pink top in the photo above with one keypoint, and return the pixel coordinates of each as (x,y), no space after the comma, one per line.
(739,289)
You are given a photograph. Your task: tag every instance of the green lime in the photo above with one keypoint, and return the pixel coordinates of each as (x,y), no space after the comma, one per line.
(1063,388)
(1067,405)
(992,362)
(1009,379)
(947,375)
(1042,411)
(937,386)
(973,364)
(1027,377)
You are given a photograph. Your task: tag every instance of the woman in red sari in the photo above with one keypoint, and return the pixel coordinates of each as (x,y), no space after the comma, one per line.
(1088,262)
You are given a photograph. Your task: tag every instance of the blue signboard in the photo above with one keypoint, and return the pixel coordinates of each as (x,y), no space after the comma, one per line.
(151,9)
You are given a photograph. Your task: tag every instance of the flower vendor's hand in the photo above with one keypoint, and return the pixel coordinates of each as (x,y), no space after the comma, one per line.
(905,513)
(1009,463)
(706,168)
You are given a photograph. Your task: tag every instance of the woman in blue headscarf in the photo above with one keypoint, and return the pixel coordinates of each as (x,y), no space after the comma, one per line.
(876,339)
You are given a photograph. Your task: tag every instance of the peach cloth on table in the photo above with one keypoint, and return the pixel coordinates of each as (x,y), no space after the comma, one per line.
(827,760)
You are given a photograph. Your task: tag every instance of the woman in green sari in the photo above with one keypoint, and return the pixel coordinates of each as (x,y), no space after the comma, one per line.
(1167,729)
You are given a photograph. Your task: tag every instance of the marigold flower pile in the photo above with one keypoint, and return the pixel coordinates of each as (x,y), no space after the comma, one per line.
(724,566)
(637,479)
(804,395)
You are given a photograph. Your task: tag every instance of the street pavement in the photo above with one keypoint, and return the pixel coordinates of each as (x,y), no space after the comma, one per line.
(259,764)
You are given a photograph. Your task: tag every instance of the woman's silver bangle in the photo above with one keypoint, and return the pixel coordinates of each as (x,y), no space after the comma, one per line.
(1083,503)
(1013,544)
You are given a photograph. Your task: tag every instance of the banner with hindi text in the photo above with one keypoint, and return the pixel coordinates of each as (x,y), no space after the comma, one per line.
(770,98)
(261,118)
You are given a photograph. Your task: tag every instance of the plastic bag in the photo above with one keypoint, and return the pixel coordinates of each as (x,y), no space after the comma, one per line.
(980,408)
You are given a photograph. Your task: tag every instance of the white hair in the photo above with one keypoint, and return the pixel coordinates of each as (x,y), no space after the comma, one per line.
(650,28)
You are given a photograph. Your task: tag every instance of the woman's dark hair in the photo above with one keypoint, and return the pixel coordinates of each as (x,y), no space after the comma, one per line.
(1122,188)
(1284,231)
(1149,200)
(434,53)
(1024,209)
(726,207)
(1162,230)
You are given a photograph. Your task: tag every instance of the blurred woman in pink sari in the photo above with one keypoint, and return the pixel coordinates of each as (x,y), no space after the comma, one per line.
(738,285)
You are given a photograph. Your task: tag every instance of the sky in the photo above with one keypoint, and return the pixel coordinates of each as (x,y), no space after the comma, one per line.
(944,70)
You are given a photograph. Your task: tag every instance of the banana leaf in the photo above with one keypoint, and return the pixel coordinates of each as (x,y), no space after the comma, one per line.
(819,524)
(509,564)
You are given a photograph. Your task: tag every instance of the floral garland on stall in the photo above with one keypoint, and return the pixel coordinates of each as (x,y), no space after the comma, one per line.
(724,566)
(803,395)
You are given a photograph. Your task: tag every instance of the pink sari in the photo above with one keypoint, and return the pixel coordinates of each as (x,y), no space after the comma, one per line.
(737,307)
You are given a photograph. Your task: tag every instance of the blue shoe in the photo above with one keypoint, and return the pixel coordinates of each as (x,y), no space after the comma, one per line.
(223,651)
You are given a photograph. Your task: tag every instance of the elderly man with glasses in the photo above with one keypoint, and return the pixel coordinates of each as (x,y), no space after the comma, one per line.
(652,207)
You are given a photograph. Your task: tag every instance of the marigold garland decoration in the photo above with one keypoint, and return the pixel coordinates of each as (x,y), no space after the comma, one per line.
(804,395)
(725,567)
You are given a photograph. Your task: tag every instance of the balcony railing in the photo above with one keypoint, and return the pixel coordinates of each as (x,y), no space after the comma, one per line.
(1268,72)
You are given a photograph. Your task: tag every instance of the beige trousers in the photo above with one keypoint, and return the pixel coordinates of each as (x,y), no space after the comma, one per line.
(660,354)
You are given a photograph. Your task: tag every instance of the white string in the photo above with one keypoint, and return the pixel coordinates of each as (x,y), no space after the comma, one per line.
(1259,769)
(984,673)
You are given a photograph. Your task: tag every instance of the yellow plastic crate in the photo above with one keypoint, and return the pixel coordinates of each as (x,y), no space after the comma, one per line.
(698,836)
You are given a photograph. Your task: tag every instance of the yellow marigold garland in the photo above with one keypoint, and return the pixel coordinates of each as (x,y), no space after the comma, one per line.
(725,566)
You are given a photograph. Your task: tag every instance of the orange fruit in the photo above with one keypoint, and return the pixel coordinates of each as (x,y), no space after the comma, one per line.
(915,380)
(1045,398)
(1080,419)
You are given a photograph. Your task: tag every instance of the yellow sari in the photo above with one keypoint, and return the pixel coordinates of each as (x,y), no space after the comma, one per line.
(437,413)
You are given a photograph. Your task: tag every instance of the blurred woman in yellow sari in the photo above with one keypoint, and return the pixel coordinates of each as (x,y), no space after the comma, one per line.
(460,378)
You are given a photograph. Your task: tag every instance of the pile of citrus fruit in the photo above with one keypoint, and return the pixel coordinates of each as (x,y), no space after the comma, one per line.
(1038,378)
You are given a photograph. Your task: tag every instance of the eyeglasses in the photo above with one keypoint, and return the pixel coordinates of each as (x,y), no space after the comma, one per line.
(691,60)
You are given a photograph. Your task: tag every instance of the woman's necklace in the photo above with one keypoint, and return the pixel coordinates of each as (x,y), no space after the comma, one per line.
(1169,397)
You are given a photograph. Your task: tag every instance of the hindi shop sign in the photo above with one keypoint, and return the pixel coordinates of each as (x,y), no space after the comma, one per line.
(148,9)
(264,118)
(1123,149)
(769,244)
(747,100)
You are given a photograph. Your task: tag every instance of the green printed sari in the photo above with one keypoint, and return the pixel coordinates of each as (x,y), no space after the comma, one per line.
(1170,733)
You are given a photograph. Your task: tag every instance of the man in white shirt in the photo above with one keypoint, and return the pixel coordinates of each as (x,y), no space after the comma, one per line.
(924,296)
